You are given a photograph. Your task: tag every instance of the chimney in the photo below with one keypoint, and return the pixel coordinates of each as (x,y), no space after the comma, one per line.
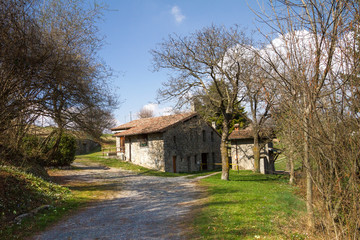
(213,124)
(192,106)
(236,127)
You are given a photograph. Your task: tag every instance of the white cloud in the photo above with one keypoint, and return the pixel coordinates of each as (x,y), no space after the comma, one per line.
(298,50)
(176,12)
(157,110)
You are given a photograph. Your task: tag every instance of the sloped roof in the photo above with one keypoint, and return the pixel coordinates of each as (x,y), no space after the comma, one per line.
(151,125)
(247,133)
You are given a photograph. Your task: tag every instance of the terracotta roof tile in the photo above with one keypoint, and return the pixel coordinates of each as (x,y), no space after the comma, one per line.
(247,133)
(151,125)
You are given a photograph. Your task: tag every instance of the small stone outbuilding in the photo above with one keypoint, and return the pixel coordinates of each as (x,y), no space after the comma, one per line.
(175,143)
(242,155)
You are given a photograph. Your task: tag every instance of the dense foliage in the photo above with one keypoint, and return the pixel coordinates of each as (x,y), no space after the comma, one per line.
(37,147)
(212,116)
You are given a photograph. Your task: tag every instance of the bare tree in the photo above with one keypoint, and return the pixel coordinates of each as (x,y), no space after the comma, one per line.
(258,95)
(145,113)
(49,68)
(23,58)
(206,58)
(309,65)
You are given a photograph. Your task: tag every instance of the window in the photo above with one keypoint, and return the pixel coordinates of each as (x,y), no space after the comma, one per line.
(204,135)
(174,139)
(143,141)
(213,160)
(212,136)
(189,163)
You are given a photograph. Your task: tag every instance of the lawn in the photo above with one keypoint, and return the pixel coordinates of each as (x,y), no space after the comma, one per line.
(249,206)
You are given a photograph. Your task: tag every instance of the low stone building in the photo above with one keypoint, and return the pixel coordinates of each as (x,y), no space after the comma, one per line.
(85,146)
(242,155)
(175,143)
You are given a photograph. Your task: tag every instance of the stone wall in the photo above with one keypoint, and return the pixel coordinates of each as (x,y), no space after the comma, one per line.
(191,146)
(242,155)
(150,155)
(187,147)
(84,146)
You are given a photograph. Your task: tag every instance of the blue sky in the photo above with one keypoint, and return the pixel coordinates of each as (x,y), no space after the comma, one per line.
(134,27)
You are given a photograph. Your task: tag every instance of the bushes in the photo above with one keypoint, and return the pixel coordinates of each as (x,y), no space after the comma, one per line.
(51,153)
(64,155)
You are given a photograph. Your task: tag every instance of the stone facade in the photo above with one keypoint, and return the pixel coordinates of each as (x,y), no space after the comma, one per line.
(185,146)
(84,146)
(191,146)
(243,157)
(145,150)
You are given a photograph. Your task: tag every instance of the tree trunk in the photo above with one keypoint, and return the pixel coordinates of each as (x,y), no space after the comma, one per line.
(256,151)
(292,172)
(309,191)
(225,161)
(291,158)
(224,152)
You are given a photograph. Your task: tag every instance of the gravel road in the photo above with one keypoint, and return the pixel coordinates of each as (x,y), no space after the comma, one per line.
(143,207)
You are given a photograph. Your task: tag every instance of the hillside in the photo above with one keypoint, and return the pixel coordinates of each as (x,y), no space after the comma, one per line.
(22,192)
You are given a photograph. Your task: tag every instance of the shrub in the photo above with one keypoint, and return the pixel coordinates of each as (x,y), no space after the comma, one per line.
(31,146)
(65,154)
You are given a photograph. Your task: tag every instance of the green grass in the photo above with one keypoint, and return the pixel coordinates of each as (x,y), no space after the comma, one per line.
(203,173)
(280,163)
(249,206)
(41,220)
(108,141)
(22,192)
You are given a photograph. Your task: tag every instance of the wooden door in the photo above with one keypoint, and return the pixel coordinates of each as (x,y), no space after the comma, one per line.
(122,144)
(204,161)
(174,163)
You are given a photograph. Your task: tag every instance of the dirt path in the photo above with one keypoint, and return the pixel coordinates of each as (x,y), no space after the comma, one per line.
(147,207)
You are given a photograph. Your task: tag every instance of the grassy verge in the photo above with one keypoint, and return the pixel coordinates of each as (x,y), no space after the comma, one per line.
(204,173)
(250,206)
(41,220)
(22,192)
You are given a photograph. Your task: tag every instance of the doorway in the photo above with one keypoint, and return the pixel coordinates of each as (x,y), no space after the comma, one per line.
(174,163)
(122,144)
(204,161)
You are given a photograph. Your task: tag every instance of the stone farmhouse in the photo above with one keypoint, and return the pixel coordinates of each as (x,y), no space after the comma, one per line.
(242,155)
(176,143)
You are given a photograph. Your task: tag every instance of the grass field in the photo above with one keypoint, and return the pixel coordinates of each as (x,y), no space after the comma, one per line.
(249,206)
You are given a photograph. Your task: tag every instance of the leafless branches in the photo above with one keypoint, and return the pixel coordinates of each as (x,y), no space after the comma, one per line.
(314,64)
(146,113)
(49,67)
(204,63)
